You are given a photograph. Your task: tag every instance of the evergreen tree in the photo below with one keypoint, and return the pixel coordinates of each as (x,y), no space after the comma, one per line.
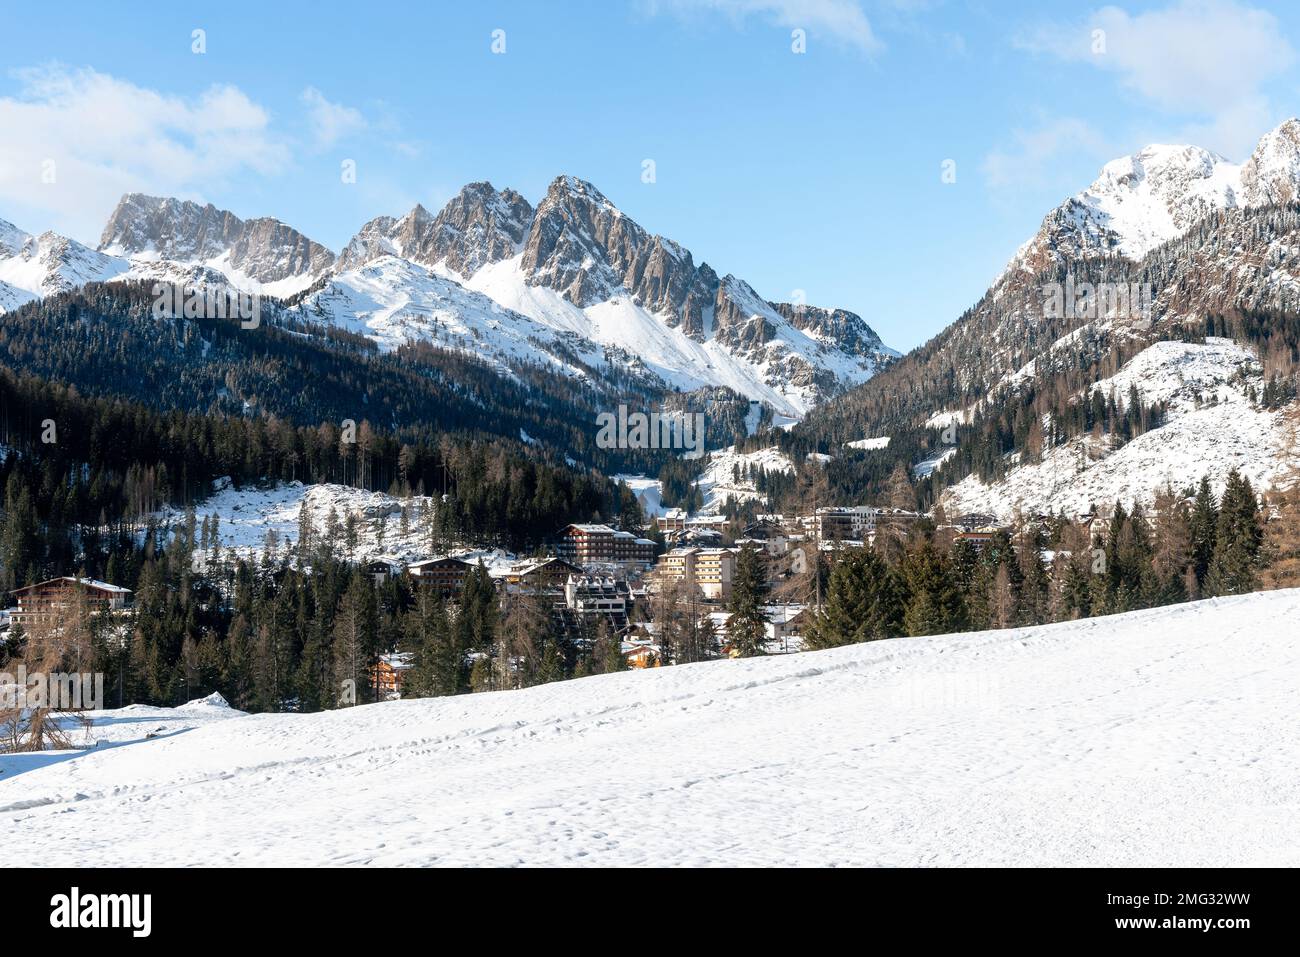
(935,603)
(746,627)
(864,602)
(1238,537)
(355,634)
(1204,523)
(439,666)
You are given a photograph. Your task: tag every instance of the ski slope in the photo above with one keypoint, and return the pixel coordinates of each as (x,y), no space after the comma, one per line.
(1165,737)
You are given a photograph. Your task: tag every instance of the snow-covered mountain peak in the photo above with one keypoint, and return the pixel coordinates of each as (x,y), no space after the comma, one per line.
(167,228)
(262,253)
(479,225)
(1146,199)
(1272,174)
(32,267)
(12,238)
(372,241)
(574,276)
(584,265)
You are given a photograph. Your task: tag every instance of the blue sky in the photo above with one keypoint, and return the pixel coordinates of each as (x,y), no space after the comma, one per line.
(818,171)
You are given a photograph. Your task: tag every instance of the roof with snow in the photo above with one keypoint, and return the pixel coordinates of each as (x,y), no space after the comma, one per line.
(88,582)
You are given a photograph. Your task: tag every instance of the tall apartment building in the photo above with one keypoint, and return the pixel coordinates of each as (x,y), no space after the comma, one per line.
(710,570)
(844,522)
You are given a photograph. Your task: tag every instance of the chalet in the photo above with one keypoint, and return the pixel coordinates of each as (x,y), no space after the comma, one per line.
(541,576)
(762,530)
(783,628)
(970,521)
(444,575)
(640,654)
(697,536)
(50,600)
(383,568)
(717,523)
(388,674)
(980,538)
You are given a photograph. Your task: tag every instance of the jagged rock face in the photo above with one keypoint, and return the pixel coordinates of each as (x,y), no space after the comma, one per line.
(172,228)
(264,249)
(846,330)
(268,250)
(580,244)
(481,225)
(371,242)
(583,246)
(738,316)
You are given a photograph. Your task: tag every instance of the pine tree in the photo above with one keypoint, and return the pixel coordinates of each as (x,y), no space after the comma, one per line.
(864,602)
(551,667)
(1238,538)
(746,627)
(935,604)
(355,634)
(901,493)
(439,667)
(1203,526)
(1171,554)
(606,650)
(1282,539)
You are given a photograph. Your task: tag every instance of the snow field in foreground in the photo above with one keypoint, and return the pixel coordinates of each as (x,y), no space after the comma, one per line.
(1165,737)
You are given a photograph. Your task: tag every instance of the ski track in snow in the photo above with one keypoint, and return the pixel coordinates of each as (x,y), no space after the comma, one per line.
(1162,738)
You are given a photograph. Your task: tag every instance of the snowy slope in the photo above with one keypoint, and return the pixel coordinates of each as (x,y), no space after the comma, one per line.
(648,492)
(32,267)
(246,515)
(115,727)
(1163,738)
(680,360)
(718,482)
(394,300)
(1154,195)
(1211,427)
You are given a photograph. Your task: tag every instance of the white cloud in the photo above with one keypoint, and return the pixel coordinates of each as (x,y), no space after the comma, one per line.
(330,122)
(1033,155)
(1204,58)
(842,21)
(106,136)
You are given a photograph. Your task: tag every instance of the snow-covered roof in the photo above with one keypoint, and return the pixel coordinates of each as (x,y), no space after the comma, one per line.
(88,582)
